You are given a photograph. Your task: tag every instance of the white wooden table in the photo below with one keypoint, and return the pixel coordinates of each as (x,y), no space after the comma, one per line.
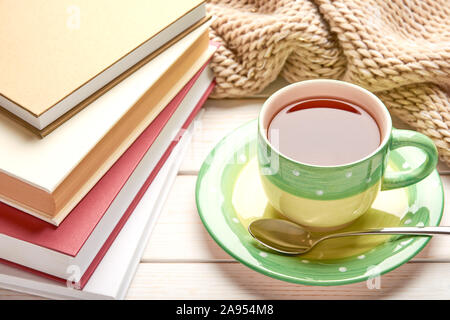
(181,261)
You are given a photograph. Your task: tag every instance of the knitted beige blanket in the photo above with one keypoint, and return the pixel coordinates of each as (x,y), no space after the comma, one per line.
(400,50)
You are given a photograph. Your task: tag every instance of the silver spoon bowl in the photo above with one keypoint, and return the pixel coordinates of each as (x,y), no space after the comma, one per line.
(289,238)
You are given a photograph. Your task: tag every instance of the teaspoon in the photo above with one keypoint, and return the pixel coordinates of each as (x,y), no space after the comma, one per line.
(289,238)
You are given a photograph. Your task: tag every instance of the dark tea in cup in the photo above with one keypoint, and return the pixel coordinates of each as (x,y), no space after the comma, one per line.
(324,132)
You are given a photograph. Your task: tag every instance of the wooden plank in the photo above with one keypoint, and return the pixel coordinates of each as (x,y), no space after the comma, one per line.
(180,236)
(13,295)
(235,281)
(219,118)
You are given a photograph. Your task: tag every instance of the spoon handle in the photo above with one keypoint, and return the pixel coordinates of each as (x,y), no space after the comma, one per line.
(425,231)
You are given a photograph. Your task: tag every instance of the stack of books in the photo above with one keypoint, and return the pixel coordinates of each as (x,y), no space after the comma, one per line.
(96,104)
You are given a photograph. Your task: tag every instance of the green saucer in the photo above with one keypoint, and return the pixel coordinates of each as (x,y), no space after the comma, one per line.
(229,196)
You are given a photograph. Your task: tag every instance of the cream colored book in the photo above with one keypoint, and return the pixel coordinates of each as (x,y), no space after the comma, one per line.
(48,177)
(57,53)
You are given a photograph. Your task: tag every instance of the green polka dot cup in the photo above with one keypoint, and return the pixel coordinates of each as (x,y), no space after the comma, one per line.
(324,198)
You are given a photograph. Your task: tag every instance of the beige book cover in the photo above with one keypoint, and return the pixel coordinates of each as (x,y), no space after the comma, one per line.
(57,53)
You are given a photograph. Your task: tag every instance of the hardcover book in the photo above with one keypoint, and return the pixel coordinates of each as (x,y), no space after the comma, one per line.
(58,55)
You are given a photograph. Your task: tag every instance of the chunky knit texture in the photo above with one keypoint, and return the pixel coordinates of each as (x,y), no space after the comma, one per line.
(398,49)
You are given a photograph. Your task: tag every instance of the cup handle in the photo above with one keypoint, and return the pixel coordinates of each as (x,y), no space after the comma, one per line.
(407,138)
